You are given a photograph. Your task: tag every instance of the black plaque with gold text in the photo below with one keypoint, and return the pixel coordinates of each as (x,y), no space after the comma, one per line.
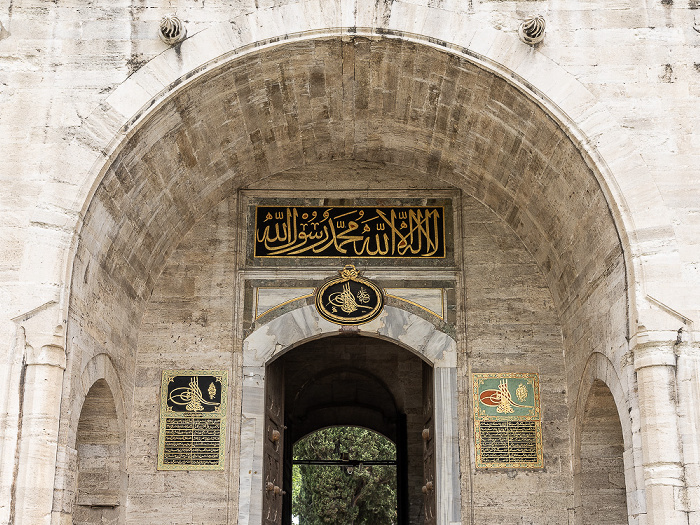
(343,231)
(508,442)
(192,420)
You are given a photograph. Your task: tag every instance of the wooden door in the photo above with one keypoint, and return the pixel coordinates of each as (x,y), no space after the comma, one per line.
(428,447)
(273,445)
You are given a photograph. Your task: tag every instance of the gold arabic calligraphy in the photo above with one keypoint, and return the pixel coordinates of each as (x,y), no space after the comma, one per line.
(502,399)
(191,396)
(345,300)
(361,231)
(349,299)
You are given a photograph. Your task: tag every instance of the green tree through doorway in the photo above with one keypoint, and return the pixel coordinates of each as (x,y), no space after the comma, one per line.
(336,478)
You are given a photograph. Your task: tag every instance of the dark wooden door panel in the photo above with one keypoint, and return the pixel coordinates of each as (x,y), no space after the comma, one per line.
(428,447)
(273,446)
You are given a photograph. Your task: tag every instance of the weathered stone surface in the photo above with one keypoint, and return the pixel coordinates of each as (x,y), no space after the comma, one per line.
(577,234)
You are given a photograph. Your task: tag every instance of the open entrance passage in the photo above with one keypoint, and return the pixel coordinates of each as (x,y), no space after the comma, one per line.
(349,417)
(344,475)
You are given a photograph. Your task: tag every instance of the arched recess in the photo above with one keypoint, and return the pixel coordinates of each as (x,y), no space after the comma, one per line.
(99,445)
(303,325)
(603,489)
(97,490)
(605,477)
(251,114)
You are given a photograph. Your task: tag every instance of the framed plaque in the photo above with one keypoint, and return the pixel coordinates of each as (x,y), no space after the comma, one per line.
(350,231)
(507,420)
(192,420)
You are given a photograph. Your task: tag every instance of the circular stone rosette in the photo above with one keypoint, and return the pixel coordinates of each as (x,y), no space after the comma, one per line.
(349,299)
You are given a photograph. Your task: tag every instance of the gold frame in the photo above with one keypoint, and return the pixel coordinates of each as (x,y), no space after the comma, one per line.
(534,417)
(218,414)
(321,256)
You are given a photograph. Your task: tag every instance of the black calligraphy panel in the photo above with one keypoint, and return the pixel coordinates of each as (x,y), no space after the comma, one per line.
(350,299)
(341,231)
(200,393)
(192,420)
(508,442)
(191,442)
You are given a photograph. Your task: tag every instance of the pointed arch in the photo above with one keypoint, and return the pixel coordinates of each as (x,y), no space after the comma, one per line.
(99,441)
(395,325)
(604,464)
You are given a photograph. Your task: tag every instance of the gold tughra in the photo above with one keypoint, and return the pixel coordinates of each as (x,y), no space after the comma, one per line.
(349,299)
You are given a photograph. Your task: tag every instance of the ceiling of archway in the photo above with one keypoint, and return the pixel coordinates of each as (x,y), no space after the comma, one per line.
(382,101)
(349,381)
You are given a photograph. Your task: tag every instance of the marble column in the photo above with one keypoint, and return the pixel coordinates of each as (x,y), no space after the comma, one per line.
(447,446)
(39,434)
(664,479)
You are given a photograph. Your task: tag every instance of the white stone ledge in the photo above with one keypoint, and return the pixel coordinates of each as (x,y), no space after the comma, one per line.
(652,355)
(669,474)
(49,355)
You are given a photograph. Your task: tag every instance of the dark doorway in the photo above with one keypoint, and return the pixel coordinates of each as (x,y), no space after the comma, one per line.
(350,381)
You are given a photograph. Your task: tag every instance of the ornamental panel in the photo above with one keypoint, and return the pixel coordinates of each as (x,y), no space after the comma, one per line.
(192,420)
(507,420)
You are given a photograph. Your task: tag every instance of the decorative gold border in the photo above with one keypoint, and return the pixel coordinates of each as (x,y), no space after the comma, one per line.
(255,229)
(536,417)
(219,413)
(257,298)
(442,302)
(478,379)
(515,464)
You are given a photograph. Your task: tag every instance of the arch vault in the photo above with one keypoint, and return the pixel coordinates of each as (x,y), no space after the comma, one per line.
(543,249)
(391,118)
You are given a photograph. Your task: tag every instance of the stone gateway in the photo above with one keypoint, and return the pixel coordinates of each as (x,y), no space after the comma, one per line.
(471,229)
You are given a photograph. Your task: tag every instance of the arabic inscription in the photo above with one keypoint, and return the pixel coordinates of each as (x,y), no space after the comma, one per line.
(339,231)
(349,299)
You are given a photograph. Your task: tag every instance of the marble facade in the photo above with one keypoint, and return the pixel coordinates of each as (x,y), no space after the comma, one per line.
(130,167)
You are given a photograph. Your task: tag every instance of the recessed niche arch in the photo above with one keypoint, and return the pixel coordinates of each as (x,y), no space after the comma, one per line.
(605,473)
(603,489)
(100,450)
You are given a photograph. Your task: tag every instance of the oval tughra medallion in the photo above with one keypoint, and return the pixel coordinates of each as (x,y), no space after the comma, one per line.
(349,299)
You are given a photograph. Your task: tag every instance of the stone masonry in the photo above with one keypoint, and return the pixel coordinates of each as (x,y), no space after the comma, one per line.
(130,166)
